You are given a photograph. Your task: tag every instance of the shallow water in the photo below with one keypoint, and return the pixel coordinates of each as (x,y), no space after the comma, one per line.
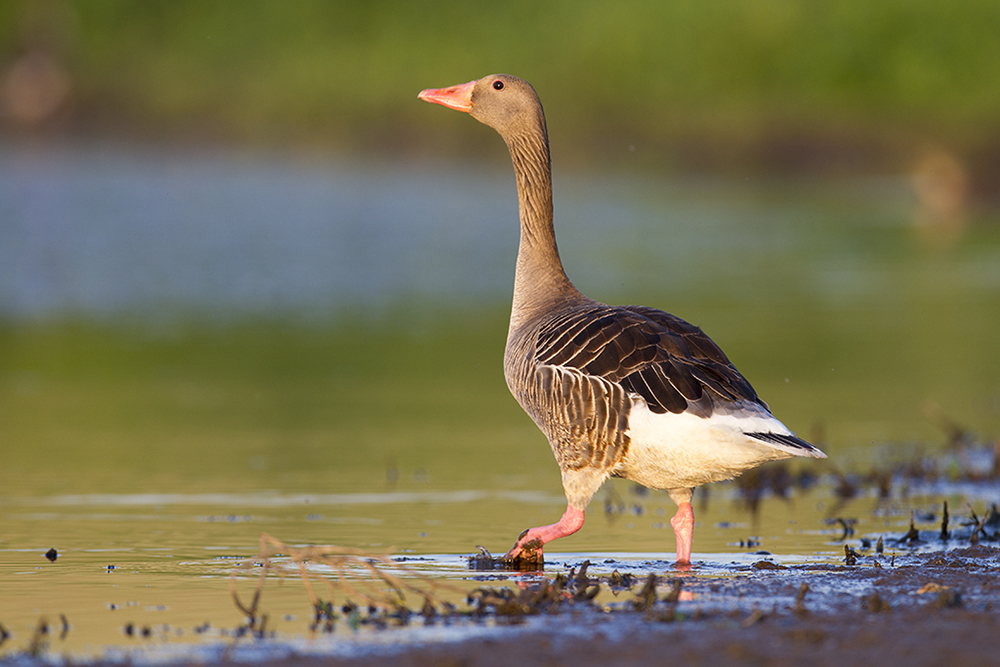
(198,349)
(151,573)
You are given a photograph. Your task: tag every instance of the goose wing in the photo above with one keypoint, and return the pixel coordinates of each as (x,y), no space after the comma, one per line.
(670,363)
(592,358)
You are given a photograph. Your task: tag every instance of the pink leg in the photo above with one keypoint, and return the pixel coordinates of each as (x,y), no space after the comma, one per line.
(683,523)
(529,544)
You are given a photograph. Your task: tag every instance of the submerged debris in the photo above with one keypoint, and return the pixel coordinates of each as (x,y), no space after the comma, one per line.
(978,523)
(581,586)
(427,610)
(944,523)
(39,639)
(992,517)
(767,565)
(675,591)
(540,597)
(664,610)
(619,582)
(846,524)
(850,555)
(323,618)
(530,560)
(972,529)
(646,597)
(913,535)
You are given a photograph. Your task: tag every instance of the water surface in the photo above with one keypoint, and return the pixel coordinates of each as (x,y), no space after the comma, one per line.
(197,348)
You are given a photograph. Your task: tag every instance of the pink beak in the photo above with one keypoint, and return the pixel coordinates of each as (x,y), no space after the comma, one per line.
(458,98)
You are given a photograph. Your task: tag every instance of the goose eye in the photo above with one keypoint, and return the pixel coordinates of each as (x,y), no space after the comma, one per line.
(498,85)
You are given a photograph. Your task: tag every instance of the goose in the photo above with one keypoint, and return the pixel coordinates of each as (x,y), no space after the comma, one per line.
(619,391)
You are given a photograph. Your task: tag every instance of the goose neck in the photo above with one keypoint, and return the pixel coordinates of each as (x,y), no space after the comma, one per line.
(539,279)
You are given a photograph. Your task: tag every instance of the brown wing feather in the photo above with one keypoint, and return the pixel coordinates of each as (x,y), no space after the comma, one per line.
(585,417)
(671,363)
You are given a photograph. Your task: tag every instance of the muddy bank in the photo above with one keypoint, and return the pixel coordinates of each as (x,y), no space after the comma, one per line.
(892,608)
(910,637)
(927,609)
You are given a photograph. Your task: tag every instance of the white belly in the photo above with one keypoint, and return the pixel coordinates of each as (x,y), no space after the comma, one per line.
(671,451)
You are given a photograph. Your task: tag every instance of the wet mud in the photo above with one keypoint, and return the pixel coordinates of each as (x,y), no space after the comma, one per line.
(912,609)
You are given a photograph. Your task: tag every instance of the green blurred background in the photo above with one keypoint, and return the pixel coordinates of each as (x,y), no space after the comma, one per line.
(773,84)
(856,333)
